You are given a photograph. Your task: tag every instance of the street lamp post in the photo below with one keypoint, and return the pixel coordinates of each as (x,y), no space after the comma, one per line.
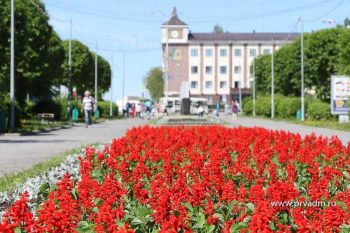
(69,69)
(123,84)
(254,95)
(167,64)
(240,93)
(272,83)
(96,96)
(111,105)
(302,70)
(12,66)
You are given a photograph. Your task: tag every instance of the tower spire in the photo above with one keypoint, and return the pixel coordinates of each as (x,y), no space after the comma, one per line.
(174,14)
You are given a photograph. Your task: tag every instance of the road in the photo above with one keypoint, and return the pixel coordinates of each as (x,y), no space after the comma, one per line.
(22,152)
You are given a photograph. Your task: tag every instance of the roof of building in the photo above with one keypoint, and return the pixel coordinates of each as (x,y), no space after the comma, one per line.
(242,36)
(175,20)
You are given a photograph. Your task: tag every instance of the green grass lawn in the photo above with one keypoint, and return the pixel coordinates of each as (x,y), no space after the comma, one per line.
(9,181)
(35,125)
(330,124)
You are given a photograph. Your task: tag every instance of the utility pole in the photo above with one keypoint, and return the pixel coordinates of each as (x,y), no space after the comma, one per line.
(12,66)
(302,70)
(272,83)
(69,69)
(111,102)
(254,94)
(240,93)
(96,76)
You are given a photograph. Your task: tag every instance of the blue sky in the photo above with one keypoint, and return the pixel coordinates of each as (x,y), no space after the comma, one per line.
(133,26)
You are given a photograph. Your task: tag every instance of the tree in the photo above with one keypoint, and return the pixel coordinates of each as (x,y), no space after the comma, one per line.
(38,50)
(346,23)
(343,65)
(218,29)
(326,52)
(83,69)
(154,82)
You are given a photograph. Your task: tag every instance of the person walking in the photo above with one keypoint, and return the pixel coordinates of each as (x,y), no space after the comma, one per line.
(88,107)
(235,109)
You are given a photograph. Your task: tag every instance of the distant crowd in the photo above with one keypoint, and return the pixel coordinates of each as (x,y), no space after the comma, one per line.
(142,110)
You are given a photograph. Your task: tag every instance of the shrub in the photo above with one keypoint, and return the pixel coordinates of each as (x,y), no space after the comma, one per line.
(318,110)
(104,109)
(287,107)
(247,106)
(263,106)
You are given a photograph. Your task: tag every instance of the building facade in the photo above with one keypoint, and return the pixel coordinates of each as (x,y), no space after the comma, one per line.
(215,65)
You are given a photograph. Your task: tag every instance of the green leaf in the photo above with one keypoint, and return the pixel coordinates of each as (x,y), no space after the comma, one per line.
(238,227)
(136,222)
(98,201)
(345,228)
(189,206)
(18,230)
(346,174)
(211,229)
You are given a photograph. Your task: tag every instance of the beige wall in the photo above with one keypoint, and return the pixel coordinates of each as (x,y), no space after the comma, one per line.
(180,68)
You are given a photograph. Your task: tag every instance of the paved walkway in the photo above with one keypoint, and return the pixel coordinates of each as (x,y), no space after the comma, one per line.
(22,152)
(344,136)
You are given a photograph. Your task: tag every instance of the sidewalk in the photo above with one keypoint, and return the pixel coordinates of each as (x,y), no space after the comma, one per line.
(22,152)
(281,125)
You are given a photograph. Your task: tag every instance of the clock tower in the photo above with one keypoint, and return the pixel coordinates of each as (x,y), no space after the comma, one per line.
(175,54)
(174,30)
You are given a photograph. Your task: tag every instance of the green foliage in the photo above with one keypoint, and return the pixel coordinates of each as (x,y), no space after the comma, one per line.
(318,110)
(248,106)
(38,54)
(326,52)
(154,83)
(287,107)
(83,69)
(343,65)
(263,106)
(104,108)
(218,29)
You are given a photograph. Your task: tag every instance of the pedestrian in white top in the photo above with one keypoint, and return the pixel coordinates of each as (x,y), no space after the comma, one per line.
(88,107)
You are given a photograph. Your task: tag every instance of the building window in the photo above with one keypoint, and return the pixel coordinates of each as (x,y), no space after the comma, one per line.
(194,69)
(223,84)
(238,52)
(236,84)
(209,52)
(194,84)
(252,52)
(194,52)
(266,51)
(223,52)
(223,70)
(208,85)
(208,69)
(237,69)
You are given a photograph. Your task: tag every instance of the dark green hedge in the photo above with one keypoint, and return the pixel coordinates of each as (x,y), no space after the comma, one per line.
(286,107)
(104,109)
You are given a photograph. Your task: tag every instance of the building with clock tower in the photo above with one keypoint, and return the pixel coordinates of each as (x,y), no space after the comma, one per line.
(214,65)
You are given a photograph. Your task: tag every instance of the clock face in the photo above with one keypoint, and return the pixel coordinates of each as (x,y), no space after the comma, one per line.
(174,34)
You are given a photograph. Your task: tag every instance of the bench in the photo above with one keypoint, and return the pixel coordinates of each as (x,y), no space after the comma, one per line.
(45,116)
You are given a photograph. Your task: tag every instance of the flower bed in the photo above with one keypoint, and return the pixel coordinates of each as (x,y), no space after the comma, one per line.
(199,179)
